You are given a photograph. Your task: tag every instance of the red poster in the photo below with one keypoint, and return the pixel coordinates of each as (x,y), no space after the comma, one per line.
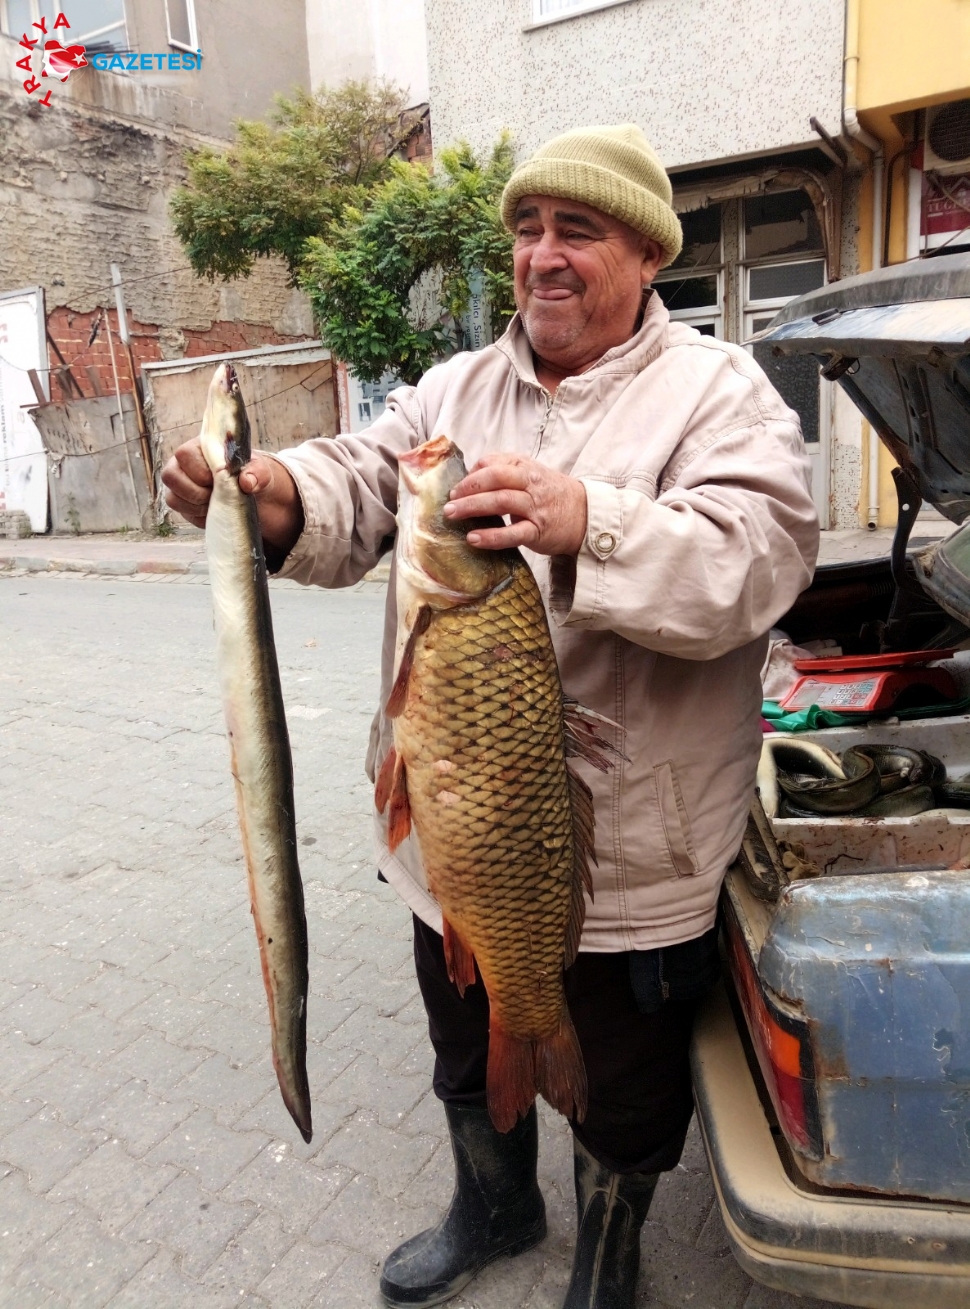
(946,204)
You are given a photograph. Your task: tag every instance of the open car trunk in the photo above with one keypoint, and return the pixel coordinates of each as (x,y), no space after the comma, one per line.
(849,937)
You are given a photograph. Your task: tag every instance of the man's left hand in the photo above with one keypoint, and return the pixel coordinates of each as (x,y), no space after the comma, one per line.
(547,509)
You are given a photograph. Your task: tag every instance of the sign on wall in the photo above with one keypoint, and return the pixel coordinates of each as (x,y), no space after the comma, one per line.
(23,460)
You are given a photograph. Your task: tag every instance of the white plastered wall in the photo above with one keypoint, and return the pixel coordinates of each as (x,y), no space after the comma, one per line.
(369,39)
(707,80)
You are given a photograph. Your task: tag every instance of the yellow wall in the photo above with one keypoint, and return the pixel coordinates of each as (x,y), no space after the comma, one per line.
(913,53)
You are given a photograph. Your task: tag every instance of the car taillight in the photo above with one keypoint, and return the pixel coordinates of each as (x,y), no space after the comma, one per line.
(783,1048)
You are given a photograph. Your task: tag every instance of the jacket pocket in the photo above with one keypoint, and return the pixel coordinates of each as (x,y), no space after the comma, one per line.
(673,815)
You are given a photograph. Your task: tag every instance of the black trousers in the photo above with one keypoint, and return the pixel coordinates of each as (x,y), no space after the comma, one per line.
(633,1014)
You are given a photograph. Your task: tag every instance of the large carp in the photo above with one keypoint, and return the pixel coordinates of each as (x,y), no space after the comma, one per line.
(478,768)
(258,740)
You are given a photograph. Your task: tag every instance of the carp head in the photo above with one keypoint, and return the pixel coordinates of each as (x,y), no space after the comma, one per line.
(225,435)
(434,556)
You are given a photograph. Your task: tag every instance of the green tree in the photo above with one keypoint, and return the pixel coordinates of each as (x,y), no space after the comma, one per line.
(285,180)
(416,229)
(361,231)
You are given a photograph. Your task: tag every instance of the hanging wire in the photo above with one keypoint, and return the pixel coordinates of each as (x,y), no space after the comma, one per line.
(193,422)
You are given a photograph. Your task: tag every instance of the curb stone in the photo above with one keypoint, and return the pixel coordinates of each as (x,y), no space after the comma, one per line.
(163,569)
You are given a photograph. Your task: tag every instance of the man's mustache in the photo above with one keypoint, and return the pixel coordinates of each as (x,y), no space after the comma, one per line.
(554,281)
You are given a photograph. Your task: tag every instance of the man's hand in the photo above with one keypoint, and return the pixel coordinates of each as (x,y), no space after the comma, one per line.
(188,483)
(548,509)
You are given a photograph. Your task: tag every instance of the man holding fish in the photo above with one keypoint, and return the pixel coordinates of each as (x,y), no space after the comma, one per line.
(657,487)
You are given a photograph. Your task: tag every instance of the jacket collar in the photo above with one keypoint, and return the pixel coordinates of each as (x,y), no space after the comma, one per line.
(630,357)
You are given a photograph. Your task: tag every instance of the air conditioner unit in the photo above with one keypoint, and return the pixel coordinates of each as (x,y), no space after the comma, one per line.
(947,145)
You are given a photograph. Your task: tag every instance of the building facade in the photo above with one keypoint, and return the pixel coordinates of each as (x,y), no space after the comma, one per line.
(908,82)
(743,102)
(87,166)
(371,39)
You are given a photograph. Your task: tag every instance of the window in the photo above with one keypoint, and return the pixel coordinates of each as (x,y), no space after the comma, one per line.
(691,288)
(16,16)
(779,230)
(549,11)
(182,30)
(98,24)
(95,24)
(546,7)
(742,260)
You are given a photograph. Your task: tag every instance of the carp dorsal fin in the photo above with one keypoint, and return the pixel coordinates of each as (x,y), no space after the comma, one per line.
(399,691)
(458,957)
(581,804)
(583,741)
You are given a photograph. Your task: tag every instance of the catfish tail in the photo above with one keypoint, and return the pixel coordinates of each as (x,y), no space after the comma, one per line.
(519,1070)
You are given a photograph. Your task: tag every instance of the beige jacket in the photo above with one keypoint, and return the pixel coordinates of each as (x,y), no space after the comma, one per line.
(702,532)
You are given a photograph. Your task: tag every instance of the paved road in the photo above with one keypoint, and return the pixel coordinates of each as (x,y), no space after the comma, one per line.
(146,1160)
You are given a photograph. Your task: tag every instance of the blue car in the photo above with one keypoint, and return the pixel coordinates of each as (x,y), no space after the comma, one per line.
(832,1070)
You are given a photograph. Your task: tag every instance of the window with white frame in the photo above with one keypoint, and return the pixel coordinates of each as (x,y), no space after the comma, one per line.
(544,10)
(783,257)
(692,288)
(96,24)
(182,30)
(741,261)
(16,16)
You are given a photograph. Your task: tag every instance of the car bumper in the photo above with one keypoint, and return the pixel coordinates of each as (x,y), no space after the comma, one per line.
(858,1250)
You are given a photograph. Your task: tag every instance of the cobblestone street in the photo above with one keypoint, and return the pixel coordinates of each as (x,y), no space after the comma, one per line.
(146,1158)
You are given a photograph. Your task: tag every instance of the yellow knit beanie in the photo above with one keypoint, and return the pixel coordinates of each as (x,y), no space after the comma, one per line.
(614,169)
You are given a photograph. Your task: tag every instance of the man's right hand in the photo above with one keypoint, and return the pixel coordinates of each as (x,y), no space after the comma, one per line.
(188,486)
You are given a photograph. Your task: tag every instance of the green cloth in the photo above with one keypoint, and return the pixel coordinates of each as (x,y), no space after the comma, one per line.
(812,718)
(804,720)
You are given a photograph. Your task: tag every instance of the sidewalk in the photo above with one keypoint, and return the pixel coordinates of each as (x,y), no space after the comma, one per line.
(109,554)
(125,554)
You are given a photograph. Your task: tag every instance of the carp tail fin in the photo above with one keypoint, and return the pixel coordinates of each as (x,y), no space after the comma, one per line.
(460,960)
(511,1077)
(519,1070)
(560,1072)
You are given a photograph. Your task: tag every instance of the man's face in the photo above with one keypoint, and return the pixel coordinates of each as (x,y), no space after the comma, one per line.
(579,278)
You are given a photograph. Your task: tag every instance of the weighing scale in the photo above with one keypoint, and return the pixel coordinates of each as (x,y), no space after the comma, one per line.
(871,684)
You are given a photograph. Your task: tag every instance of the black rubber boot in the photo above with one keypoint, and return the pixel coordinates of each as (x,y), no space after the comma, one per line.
(497,1209)
(611,1208)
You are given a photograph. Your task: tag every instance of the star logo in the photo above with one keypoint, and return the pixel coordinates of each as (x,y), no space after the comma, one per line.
(61,62)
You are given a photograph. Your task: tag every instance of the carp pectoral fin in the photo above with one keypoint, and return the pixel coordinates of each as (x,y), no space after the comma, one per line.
(399,808)
(399,691)
(510,1080)
(560,1072)
(458,957)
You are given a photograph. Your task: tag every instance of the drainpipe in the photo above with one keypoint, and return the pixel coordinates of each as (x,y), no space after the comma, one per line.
(850,121)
